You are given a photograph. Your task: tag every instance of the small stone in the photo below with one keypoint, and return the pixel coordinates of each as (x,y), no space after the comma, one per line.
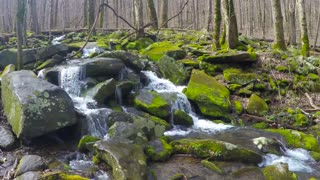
(29,163)
(31,175)
(7,138)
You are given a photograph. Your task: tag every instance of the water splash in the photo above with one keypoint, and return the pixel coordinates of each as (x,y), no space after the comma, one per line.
(71,79)
(86,52)
(57,40)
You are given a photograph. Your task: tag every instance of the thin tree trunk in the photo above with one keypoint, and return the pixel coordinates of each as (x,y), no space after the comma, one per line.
(217,24)
(139,17)
(264,21)
(303,29)
(164,13)
(292,23)
(91,14)
(85,13)
(210,15)
(101,15)
(317,33)
(232,40)
(279,42)
(20,26)
(34,16)
(152,14)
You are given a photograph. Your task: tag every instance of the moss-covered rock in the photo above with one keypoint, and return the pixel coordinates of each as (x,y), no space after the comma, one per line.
(29,163)
(139,44)
(211,166)
(231,57)
(300,120)
(212,98)
(298,139)
(236,76)
(157,50)
(159,150)
(278,171)
(86,141)
(35,107)
(172,70)
(7,70)
(128,161)
(215,150)
(189,63)
(102,91)
(182,118)
(267,145)
(153,103)
(62,176)
(257,106)
(238,108)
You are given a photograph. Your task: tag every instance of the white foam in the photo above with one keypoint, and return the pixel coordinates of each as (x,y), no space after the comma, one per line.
(58,39)
(88,51)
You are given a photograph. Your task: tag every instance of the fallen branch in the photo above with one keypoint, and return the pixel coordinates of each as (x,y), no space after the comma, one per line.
(316,108)
(256,118)
(10,173)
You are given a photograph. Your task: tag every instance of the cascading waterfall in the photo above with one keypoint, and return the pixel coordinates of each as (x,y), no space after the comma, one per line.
(71,80)
(297,159)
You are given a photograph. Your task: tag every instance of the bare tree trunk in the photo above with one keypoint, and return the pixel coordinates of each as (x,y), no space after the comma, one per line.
(138,7)
(164,13)
(292,23)
(317,33)
(85,13)
(303,29)
(20,26)
(34,16)
(152,14)
(217,24)
(279,42)
(232,40)
(210,15)
(264,21)
(101,15)
(91,14)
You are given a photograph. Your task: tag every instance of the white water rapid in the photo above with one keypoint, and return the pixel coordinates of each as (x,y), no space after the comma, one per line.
(58,39)
(71,80)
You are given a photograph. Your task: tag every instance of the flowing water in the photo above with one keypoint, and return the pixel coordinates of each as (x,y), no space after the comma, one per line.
(58,39)
(298,160)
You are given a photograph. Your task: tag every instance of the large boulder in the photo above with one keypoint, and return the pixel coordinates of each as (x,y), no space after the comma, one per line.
(129,59)
(212,98)
(153,103)
(128,161)
(236,76)
(33,106)
(102,67)
(257,106)
(215,150)
(172,70)
(279,171)
(9,56)
(231,57)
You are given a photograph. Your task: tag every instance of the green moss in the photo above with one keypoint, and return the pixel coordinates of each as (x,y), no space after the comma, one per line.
(7,69)
(259,87)
(211,69)
(278,171)
(62,176)
(160,122)
(77,45)
(234,87)
(300,120)
(246,170)
(236,76)
(298,139)
(305,46)
(157,50)
(177,176)
(84,141)
(282,69)
(212,98)
(215,150)
(257,106)
(158,106)
(253,55)
(313,77)
(159,155)
(182,118)
(260,125)
(96,160)
(238,107)
(189,63)
(211,166)
(315,155)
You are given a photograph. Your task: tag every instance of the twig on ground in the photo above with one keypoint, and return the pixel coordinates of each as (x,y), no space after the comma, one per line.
(311,102)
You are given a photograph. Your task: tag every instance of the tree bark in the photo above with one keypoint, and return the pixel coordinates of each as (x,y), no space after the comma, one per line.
(101,15)
(85,13)
(91,14)
(232,40)
(164,13)
(279,42)
(292,23)
(34,16)
(210,15)
(303,29)
(217,24)
(138,9)
(20,26)
(152,14)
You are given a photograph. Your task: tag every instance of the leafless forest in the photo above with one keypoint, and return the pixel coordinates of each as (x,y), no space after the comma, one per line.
(254,16)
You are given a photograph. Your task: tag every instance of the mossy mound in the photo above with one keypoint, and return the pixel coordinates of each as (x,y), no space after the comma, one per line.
(85,141)
(62,176)
(172,70)
(139,44)
(257,106)
(153,103)
(211,166)
(157,50)
(278,171)
(159,150)
(212,98)
(231,57)
(298,139)
(236,76)
(238,108)
(103,91)
(215,150)
(182,118)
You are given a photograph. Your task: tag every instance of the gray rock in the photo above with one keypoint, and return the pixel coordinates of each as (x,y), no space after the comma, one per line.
(35,107)
(7,139)
(31,175)
(128,161)
(182,118)
(29,163)
(127,132)
(102,67)
(103,90)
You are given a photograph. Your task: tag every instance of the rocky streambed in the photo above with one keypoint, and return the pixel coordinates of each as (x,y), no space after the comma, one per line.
(149,115)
